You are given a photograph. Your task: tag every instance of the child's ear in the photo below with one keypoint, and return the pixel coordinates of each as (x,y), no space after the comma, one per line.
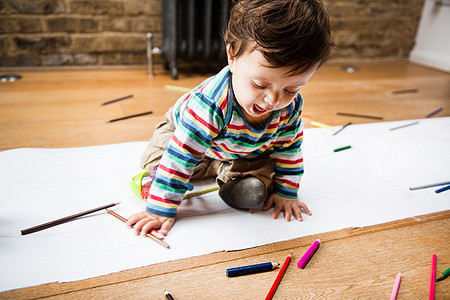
(231,59)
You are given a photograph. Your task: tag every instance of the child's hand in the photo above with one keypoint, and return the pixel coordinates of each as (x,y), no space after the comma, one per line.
(291,207)
(143,222)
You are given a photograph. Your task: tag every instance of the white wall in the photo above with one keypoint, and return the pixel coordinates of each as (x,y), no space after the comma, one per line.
(432,46)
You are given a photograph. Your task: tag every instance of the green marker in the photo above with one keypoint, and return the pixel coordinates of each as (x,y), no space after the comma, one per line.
(342,148)
(444,275)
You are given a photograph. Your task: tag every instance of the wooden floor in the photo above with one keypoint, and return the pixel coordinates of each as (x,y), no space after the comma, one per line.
(51,109)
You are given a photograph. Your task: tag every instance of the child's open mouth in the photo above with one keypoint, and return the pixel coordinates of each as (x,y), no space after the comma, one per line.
(258,109)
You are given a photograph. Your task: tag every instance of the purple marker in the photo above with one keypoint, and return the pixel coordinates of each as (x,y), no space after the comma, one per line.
(308,254)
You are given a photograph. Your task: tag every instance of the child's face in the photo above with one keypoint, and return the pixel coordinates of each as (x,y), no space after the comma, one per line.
(260,89)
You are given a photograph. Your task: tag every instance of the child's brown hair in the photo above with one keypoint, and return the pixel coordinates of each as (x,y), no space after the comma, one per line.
(293,33)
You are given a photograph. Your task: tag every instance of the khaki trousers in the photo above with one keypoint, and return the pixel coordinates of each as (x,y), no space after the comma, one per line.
(261,167)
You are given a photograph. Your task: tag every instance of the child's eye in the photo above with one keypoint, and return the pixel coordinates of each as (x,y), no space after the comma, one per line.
(259,87)
(290,92)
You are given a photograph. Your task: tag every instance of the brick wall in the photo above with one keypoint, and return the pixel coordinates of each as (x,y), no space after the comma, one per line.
(383,29)
(112,32)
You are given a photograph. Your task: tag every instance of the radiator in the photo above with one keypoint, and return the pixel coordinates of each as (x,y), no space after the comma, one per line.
(193,33)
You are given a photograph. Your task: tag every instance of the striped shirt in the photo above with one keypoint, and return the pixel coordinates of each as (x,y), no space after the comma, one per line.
(209,122)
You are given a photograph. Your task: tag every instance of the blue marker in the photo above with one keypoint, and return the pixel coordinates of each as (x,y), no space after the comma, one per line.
(245,270)
(442,189)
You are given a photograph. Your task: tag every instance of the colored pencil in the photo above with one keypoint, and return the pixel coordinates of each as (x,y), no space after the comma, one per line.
(308,254)
(152,232)
(342,148)
(434,112)
(251,269)
(116,100)
(443,275)
(398,279)
(131,116)
(168,295)
(178,88)
(64,220)
(399,92)
(279,277)
(428,185)
(445,188)
(433,277)
(342,128)
(198,193)
(321,125)
(410,124)
(358,115)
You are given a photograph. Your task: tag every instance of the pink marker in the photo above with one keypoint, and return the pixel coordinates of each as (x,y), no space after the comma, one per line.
(308,254)
(398,279)
(433,277)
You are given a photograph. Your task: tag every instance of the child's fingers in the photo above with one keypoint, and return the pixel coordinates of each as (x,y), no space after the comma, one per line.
(166,226)
(297,213)
(276,211)
(135,218)
(287,212)
(149,224)
(304,208)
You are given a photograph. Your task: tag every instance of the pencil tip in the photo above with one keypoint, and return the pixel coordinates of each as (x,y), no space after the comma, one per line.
(117,203)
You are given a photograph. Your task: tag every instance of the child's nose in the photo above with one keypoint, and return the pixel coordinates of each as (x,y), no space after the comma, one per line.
(272,98)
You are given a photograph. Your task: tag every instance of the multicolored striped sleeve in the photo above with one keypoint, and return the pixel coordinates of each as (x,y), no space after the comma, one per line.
(287,154)
(199,122)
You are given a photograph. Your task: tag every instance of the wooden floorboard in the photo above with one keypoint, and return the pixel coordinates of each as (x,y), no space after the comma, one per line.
(54,109)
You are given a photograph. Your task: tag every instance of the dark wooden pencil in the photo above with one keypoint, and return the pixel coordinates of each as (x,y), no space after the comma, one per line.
(410,91)
(64,220)
(358,115)
(117,100)
(132,116)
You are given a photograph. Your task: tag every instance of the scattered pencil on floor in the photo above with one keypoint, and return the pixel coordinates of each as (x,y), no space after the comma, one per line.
(321,125)
(359,116)
(445,188)
(168,295)
(132,116)
(308,254)
(410,91)
(429,185)
(279,277)
(117,100)
(434,112)
(396,288)
(65,219)
(177,88)
(342,128)
(342,148)
(410,124)
(443,275)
